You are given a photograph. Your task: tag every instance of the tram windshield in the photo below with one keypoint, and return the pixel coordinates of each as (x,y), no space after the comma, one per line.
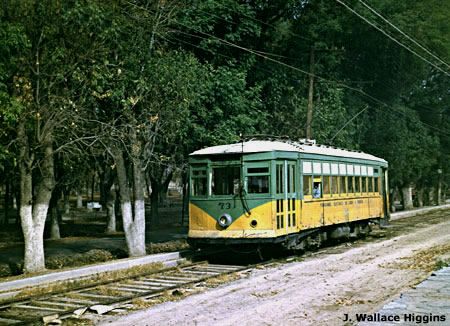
(225,180)
(199,183)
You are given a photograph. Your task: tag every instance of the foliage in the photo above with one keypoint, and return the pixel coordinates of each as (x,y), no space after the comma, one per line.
(405,143)
(185,75)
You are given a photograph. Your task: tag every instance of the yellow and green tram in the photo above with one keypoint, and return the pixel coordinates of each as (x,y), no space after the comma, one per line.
(283,192)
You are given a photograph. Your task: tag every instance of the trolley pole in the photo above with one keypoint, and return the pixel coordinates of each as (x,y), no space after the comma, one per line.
(310,95)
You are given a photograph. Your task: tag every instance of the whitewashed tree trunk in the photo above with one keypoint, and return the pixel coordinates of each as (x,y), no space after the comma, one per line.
(392,199)
(133,220)
(33,232)
(431,196)
(420,197)
(33,213)
(407,198)
(111,210)
(66,203)
(79,199)
(54,224)
(439,194)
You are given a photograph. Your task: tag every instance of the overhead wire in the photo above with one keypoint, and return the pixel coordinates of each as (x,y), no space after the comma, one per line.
(229,57)
(230,44)
(391,37)
(374,99)
(404,34)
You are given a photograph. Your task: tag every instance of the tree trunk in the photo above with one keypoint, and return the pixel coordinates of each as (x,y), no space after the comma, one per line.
(4,217)
(16,199)
(439,192)
(185,204)
(407,198)
(111,210)
(54,216)
(79,199)
(92,187)
(54,226)
(133,219)
(431,196)
(66,195)
(108,194)
(420,196)
(154,203)
(163,189)
(444,194)
(33,214)
(392,199)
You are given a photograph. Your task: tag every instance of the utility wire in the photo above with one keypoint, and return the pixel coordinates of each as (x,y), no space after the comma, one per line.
(404,34)
(229,57)
(374,99)
(346,124)
(228,43)
(391,37)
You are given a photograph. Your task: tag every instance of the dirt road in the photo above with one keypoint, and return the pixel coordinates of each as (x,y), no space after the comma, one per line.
(322,287)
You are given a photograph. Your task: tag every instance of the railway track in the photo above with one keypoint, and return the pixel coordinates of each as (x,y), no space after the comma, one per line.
(117,295)
(111,295)
(120,293)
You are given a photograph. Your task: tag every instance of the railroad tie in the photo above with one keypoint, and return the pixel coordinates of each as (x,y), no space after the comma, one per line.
(23,306)
(127,289)
(62,304)
(8,321)
(96,295)
(82,302)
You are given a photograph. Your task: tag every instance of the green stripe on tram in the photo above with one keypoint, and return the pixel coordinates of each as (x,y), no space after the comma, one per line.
(232,206)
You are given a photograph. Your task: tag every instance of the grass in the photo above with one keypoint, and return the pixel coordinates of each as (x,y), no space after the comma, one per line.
(89,257)
(426,260)
(175,245)
(77,322)
(218,280)
(442,263)
(166,296)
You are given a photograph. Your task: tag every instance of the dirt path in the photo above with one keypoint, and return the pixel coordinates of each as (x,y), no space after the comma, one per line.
(318,290)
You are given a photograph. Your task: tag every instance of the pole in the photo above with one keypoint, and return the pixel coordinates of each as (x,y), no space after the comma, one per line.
(309,113)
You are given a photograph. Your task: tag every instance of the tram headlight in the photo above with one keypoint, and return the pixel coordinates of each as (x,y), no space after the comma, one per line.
(225,220)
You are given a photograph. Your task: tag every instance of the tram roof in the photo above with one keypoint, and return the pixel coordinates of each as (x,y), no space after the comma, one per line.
(260,146)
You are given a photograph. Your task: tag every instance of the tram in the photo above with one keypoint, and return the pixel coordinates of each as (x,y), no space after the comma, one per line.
(283,192)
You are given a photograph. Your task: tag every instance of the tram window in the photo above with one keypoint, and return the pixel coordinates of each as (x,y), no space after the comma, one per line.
(370,184)
(364,184)
(258,184)
(350,185)
(280,178)
(357,184)
(342,185)
(326,185)
(307,179)
(376,184)
(317,187)
(334,185)
(226,180)
(199,183)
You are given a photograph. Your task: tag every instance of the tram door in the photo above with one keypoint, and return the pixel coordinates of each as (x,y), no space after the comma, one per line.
(285,195)
(385,193)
